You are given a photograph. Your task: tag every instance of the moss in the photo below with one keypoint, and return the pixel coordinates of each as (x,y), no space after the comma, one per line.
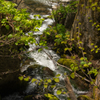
(28,97)
(84,97)
(67,62)
(32,67)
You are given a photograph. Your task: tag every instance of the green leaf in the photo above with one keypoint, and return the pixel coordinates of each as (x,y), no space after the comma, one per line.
(16,43)
(17,28)
(52,86)
(85,65)
(92,43)
(89,63)
(17,18)
(20,78)
(65,49)
(48,33)
(59,92)
(98,29)
(57,75)
(33,80)
(10,36)
(65,73)
(45,85)
(72,75)
(56,79)
(7,27)
(27,78)
(83,62)
(40,49)
(51,97)
(49,80)
(96,51)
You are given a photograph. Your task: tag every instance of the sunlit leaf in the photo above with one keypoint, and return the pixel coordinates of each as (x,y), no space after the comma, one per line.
(49,80)
(20,78)
(72,75)
(57,75)
(27,78)
(56,79)
(59,92)
(45,85)
(10,36)
(33,80)
(52,86)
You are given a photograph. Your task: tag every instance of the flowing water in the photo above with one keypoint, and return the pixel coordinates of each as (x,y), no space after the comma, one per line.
(43,60)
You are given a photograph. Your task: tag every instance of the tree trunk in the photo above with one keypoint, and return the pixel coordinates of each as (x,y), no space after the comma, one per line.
(86,26)
(70,90)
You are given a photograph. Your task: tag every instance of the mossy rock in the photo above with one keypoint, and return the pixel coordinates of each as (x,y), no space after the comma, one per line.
(27,61)
(32,67)
(84,97)
(48,72)
(68,62)
(28,97)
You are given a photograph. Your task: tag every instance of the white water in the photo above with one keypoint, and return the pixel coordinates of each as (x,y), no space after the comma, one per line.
(43,59)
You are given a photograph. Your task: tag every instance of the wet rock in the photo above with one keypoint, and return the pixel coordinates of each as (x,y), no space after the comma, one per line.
(27,61)
(48,72)
(37,69)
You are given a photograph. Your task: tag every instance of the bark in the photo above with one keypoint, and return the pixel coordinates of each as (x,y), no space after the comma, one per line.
(83,23)
(70,90)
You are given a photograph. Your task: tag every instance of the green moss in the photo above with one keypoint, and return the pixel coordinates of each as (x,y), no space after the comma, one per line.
(84,97)
(67,62)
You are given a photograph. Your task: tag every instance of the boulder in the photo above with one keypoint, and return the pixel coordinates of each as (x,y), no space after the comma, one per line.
(9,72)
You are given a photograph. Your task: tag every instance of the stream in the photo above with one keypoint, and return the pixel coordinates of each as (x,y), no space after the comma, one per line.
(41,60)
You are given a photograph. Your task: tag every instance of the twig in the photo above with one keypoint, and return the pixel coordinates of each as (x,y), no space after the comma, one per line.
(76,74)
(18,4)
(69,88)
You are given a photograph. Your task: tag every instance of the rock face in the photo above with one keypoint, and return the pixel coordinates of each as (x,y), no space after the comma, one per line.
(86,26)
(9,71)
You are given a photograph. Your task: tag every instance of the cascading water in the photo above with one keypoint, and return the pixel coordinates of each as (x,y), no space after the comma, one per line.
(42,59)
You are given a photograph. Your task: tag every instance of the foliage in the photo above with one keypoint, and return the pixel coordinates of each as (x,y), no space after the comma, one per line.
(19,22)
(60,14)
(51,97)
(59,36)
(85,65)
(16,23)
